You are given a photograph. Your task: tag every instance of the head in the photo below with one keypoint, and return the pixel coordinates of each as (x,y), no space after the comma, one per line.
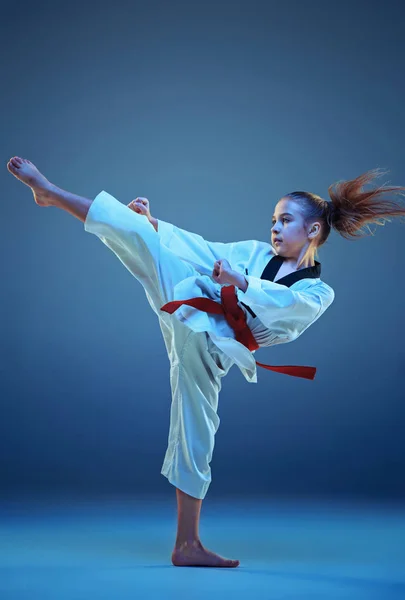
(310,218)
(300,221)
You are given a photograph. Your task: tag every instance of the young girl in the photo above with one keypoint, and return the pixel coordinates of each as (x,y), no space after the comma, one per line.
(217,303)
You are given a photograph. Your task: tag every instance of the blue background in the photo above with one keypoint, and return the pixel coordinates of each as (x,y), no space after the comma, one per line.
(213,111)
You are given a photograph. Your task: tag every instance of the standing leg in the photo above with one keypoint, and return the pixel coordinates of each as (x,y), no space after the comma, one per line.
(195,378)
(189,550)
(188,518)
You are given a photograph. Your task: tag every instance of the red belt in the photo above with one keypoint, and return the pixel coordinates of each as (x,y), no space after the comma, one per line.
(237,320)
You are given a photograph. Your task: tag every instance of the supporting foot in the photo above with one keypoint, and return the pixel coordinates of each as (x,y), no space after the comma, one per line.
(193,554)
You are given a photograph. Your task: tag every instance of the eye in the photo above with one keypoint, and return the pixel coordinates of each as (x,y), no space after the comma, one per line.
(283,219)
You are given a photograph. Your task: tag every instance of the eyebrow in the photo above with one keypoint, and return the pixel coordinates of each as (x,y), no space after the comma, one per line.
(282,215)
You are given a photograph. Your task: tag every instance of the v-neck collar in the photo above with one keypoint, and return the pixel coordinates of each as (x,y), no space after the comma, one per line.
(274,264)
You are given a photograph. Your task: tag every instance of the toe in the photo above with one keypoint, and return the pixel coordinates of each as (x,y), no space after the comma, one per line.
(228,562)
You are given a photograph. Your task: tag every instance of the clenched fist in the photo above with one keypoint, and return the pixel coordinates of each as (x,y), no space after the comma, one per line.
(141,206)
(223,272)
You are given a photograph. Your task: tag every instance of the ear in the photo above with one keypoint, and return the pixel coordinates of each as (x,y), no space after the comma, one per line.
(315,229)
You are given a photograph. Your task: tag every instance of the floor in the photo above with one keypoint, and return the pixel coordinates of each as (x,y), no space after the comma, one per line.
(119,548)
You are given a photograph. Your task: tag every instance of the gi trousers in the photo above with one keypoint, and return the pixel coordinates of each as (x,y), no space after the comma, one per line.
(197,365)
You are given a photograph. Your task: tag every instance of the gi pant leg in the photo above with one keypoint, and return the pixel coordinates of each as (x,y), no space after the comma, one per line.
(195,379)
(196,364)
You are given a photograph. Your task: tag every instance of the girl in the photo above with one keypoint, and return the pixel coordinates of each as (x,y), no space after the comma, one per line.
(198,288)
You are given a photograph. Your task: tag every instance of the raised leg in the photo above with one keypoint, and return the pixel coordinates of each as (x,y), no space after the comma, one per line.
(78,206)
(45,192)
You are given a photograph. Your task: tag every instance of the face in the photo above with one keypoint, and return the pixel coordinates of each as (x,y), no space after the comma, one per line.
(289,228)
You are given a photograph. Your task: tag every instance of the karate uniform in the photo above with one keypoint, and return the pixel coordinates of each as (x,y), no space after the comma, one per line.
(174,264)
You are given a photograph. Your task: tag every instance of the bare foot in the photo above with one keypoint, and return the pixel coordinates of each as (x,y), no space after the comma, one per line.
(27,172)
(195,555)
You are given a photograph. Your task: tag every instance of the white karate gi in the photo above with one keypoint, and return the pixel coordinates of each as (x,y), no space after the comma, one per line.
(174,264)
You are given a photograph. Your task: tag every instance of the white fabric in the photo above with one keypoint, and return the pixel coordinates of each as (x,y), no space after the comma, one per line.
(196,364)
(282,313)
(173,264)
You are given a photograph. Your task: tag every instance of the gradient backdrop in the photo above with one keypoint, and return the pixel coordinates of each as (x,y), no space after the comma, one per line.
(213,111)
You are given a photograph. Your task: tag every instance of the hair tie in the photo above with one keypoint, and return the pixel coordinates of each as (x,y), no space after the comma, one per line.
(332,210)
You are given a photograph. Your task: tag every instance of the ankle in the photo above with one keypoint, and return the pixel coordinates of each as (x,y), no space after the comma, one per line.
(187,543)
(46,192)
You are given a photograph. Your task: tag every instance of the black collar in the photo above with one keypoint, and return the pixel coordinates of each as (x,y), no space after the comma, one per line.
(272,268)
(274,264)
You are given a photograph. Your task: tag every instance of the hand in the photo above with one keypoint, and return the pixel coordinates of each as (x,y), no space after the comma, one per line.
(141,206)
(222,272)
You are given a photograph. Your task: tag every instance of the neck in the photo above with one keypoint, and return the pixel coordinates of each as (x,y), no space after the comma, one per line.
(309,251)
(293,262)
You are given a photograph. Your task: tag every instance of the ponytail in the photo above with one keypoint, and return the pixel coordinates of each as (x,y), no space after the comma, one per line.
(351,208)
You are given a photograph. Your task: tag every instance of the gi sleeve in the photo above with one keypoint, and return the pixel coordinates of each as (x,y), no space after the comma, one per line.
(193,248)
(285,311)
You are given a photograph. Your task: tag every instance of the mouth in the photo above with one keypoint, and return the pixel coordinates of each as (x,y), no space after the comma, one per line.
(277,241)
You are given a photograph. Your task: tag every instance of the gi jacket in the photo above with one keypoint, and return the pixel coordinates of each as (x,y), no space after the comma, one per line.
(286,308)
(275,312)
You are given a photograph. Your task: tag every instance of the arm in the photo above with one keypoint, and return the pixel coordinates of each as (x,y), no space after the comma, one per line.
(193,248)
(154,222)
(287,311)
(239,281)
(178,240)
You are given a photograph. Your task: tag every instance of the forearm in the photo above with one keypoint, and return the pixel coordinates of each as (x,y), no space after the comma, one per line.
(154,222)
(239,281)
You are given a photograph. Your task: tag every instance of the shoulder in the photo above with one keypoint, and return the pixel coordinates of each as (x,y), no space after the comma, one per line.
(250,249)
(257,244)
(316,287)
(326,292)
